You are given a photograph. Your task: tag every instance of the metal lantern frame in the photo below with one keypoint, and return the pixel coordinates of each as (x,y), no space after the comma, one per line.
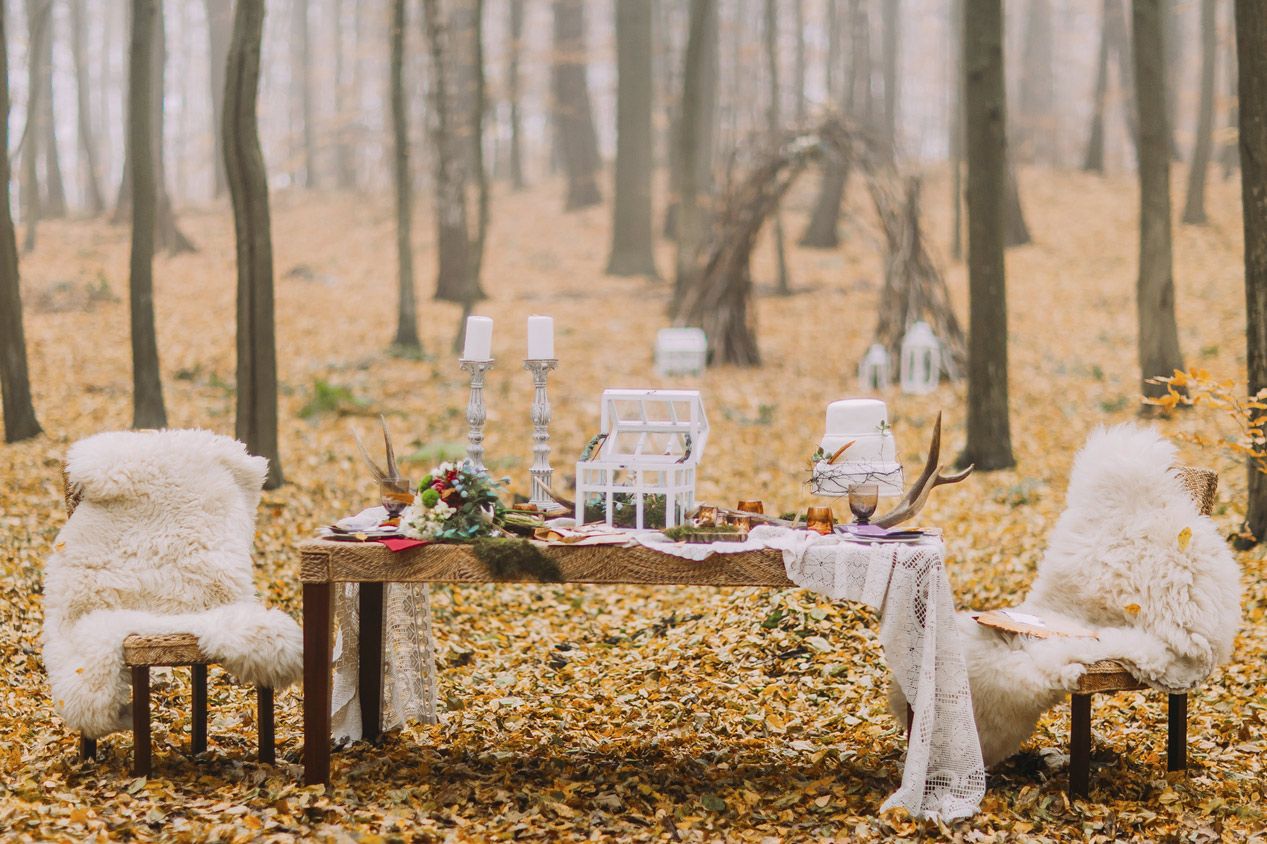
(653,442)
(875,370)
(921,360)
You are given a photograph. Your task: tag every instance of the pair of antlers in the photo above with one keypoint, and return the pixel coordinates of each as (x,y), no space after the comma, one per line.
(917,494)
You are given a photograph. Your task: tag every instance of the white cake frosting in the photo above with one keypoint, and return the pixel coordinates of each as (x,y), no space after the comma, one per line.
(872,456)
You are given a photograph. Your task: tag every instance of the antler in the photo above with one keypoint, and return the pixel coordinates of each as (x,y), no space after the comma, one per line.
(932,476)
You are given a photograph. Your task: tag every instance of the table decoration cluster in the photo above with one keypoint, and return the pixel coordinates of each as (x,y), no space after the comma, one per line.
(636,496)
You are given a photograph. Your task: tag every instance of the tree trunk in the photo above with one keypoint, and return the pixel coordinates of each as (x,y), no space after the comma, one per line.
(823,231)
(689,136)
(989,443)
(38,19)
(54,203)
(1251,35)
(147,385)
(1017,232)
(956,131)
(1229,154)
(1194,206)
(890,17)
(859,102)
(1093,160)
(798,69)
(1121,41)
(219,31)
(15,383)
(1155,290)
(301,64)
(453,232)
(344,163)
(774,126)
(705,129)
(515,48)
(479,109)
(1035,126)
(168,236)
(574,119)
(1172,39)
(94,202)
(631,250)
(256,420)
(407,310)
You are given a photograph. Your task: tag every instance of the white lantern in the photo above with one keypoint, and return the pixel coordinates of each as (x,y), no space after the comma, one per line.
(639,472)
(921,360)
(873,371)
(680,351)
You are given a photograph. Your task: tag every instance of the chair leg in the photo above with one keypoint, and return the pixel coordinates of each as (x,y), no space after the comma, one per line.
(198,728)
(264,719)
(141,720)
(1080,746)
(87,748)
(1177,733)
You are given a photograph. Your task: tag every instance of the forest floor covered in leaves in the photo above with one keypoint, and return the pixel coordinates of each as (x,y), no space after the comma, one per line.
(632,713)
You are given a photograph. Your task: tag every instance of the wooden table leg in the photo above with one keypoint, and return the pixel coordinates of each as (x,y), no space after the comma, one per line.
(1177,733)
(198,693)
(370,679)
(264,722)
(318,599)
(141,721)
(1080,746)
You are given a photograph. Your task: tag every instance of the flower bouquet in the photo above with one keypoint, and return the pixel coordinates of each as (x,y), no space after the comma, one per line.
(455,502)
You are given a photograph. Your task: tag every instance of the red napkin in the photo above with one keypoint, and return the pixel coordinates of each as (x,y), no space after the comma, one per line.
(401,544)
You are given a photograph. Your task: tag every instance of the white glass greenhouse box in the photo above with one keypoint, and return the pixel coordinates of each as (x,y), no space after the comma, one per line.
(642,473)
(680,351)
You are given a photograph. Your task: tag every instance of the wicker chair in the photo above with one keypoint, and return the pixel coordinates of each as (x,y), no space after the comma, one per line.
(1109,676)
(141,653)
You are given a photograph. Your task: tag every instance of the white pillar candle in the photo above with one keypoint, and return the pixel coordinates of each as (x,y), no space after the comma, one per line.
(540,338)
(479,338)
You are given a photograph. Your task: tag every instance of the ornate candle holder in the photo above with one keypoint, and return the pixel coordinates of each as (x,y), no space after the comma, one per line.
(475,413)
(541,471)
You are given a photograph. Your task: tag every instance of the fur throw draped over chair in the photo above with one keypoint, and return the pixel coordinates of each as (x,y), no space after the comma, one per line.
(1132,559)
(160,542)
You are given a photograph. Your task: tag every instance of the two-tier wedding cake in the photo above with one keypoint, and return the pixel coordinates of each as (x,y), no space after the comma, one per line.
(861,428)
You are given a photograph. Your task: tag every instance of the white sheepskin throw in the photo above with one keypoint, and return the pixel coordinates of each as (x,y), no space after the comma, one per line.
(1167,609)
(160,543)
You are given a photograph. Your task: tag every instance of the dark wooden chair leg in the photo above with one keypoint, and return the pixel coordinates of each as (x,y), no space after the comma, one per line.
(141,720)
(198,729)
(87,748)
(1080,746)
(370,681)
(264,719)
(318,621)
(1177,733)
(910,721)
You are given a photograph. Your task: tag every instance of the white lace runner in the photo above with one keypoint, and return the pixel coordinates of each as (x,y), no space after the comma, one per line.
(944,776)
(409,664)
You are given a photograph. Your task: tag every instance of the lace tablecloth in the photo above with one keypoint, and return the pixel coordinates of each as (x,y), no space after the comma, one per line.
(944,776)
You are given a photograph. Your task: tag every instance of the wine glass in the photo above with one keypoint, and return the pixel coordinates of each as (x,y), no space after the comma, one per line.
(397,494)
(863,499)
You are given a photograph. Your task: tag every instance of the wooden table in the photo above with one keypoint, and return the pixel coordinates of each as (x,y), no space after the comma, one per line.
(325,563)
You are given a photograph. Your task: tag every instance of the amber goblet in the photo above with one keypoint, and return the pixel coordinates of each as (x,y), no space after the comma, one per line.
(820,519)
(863,499)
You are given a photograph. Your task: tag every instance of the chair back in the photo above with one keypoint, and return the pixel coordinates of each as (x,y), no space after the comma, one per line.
(1201,484)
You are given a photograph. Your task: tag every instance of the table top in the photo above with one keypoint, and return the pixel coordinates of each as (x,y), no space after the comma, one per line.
(328,561)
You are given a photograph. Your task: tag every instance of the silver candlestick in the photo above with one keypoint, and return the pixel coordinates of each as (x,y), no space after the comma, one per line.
(475,414)
(541,471)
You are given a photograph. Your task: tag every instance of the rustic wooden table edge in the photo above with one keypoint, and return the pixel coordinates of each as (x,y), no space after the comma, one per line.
(328,561)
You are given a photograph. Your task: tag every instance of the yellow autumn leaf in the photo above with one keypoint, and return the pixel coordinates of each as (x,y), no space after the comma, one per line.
(1185,538)
(1131,609)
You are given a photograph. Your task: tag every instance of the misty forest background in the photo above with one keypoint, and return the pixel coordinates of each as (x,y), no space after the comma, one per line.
(270,218)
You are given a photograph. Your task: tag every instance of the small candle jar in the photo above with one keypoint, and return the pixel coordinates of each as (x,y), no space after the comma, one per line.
(820,520)
(751,506)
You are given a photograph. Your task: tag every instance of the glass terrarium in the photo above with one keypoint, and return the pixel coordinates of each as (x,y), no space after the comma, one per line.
(639,472)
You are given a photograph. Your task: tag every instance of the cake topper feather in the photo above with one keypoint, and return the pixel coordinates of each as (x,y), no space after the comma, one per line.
(392,470)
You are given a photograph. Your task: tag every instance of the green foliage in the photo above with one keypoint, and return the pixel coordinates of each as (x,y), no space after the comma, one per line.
(625,511)
(335,399)
(513,558)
